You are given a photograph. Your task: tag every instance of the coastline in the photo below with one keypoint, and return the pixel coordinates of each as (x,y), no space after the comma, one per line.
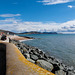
(25,40)
(41,59)
(15,37)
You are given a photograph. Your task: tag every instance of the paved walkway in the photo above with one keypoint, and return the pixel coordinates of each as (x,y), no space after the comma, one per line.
(16,64)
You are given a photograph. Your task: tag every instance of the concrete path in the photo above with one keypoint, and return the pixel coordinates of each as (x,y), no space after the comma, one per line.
(16,64)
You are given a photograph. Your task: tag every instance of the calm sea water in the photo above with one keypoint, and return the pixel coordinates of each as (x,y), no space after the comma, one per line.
(61,46)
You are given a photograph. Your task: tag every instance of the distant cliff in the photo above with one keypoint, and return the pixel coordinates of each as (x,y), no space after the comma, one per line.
(33,32)
(6,31)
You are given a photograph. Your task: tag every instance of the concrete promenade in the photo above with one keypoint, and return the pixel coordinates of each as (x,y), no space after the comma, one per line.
(16,64)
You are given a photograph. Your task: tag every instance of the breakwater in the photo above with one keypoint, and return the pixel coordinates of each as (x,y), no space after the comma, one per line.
(41,59)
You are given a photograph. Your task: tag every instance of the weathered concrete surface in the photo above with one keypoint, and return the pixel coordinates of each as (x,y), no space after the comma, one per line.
(18,65)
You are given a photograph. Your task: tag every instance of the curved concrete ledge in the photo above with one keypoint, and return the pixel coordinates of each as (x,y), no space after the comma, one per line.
(16,64)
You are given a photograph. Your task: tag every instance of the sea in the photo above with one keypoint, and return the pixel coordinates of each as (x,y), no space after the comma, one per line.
(61,46)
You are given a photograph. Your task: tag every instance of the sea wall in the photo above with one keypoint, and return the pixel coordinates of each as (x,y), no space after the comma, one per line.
(41,59)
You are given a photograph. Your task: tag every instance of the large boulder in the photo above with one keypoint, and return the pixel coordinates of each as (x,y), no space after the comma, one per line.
(51,61)
(60,72)
(71,73)
(24,49)
(44,64)
(31,60)
(36,53)
(27,56)
(34,57)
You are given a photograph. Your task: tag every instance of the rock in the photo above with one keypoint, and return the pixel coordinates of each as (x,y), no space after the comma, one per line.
(24,49)
(31,60)
(44,64)
(55,68)
(65,68)
(45,56)
(30,52)
(34,57)
(58,61)
(70,73)
(19,48)
(36,53)
(61,67)
(18,44)
(27,55)
(27,48)
(40,52)
(70,68)
(42,57)
(52,57)
(37,50)
(52,61)
(60,72)
(74,71)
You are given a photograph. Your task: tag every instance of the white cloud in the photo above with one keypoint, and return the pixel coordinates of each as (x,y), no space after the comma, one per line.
(51,2)
(16,25)
(9,15)
(70,6)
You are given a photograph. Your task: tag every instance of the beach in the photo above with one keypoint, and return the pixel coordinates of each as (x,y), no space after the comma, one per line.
(15,37)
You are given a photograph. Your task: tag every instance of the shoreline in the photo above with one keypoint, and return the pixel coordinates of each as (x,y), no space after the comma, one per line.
(25,40)
(19,38)
(40,58)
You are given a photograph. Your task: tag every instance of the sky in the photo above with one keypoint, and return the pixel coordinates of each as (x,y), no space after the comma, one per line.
(38,15)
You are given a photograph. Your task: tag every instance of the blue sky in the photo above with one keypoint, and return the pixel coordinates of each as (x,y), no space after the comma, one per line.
(37,15)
